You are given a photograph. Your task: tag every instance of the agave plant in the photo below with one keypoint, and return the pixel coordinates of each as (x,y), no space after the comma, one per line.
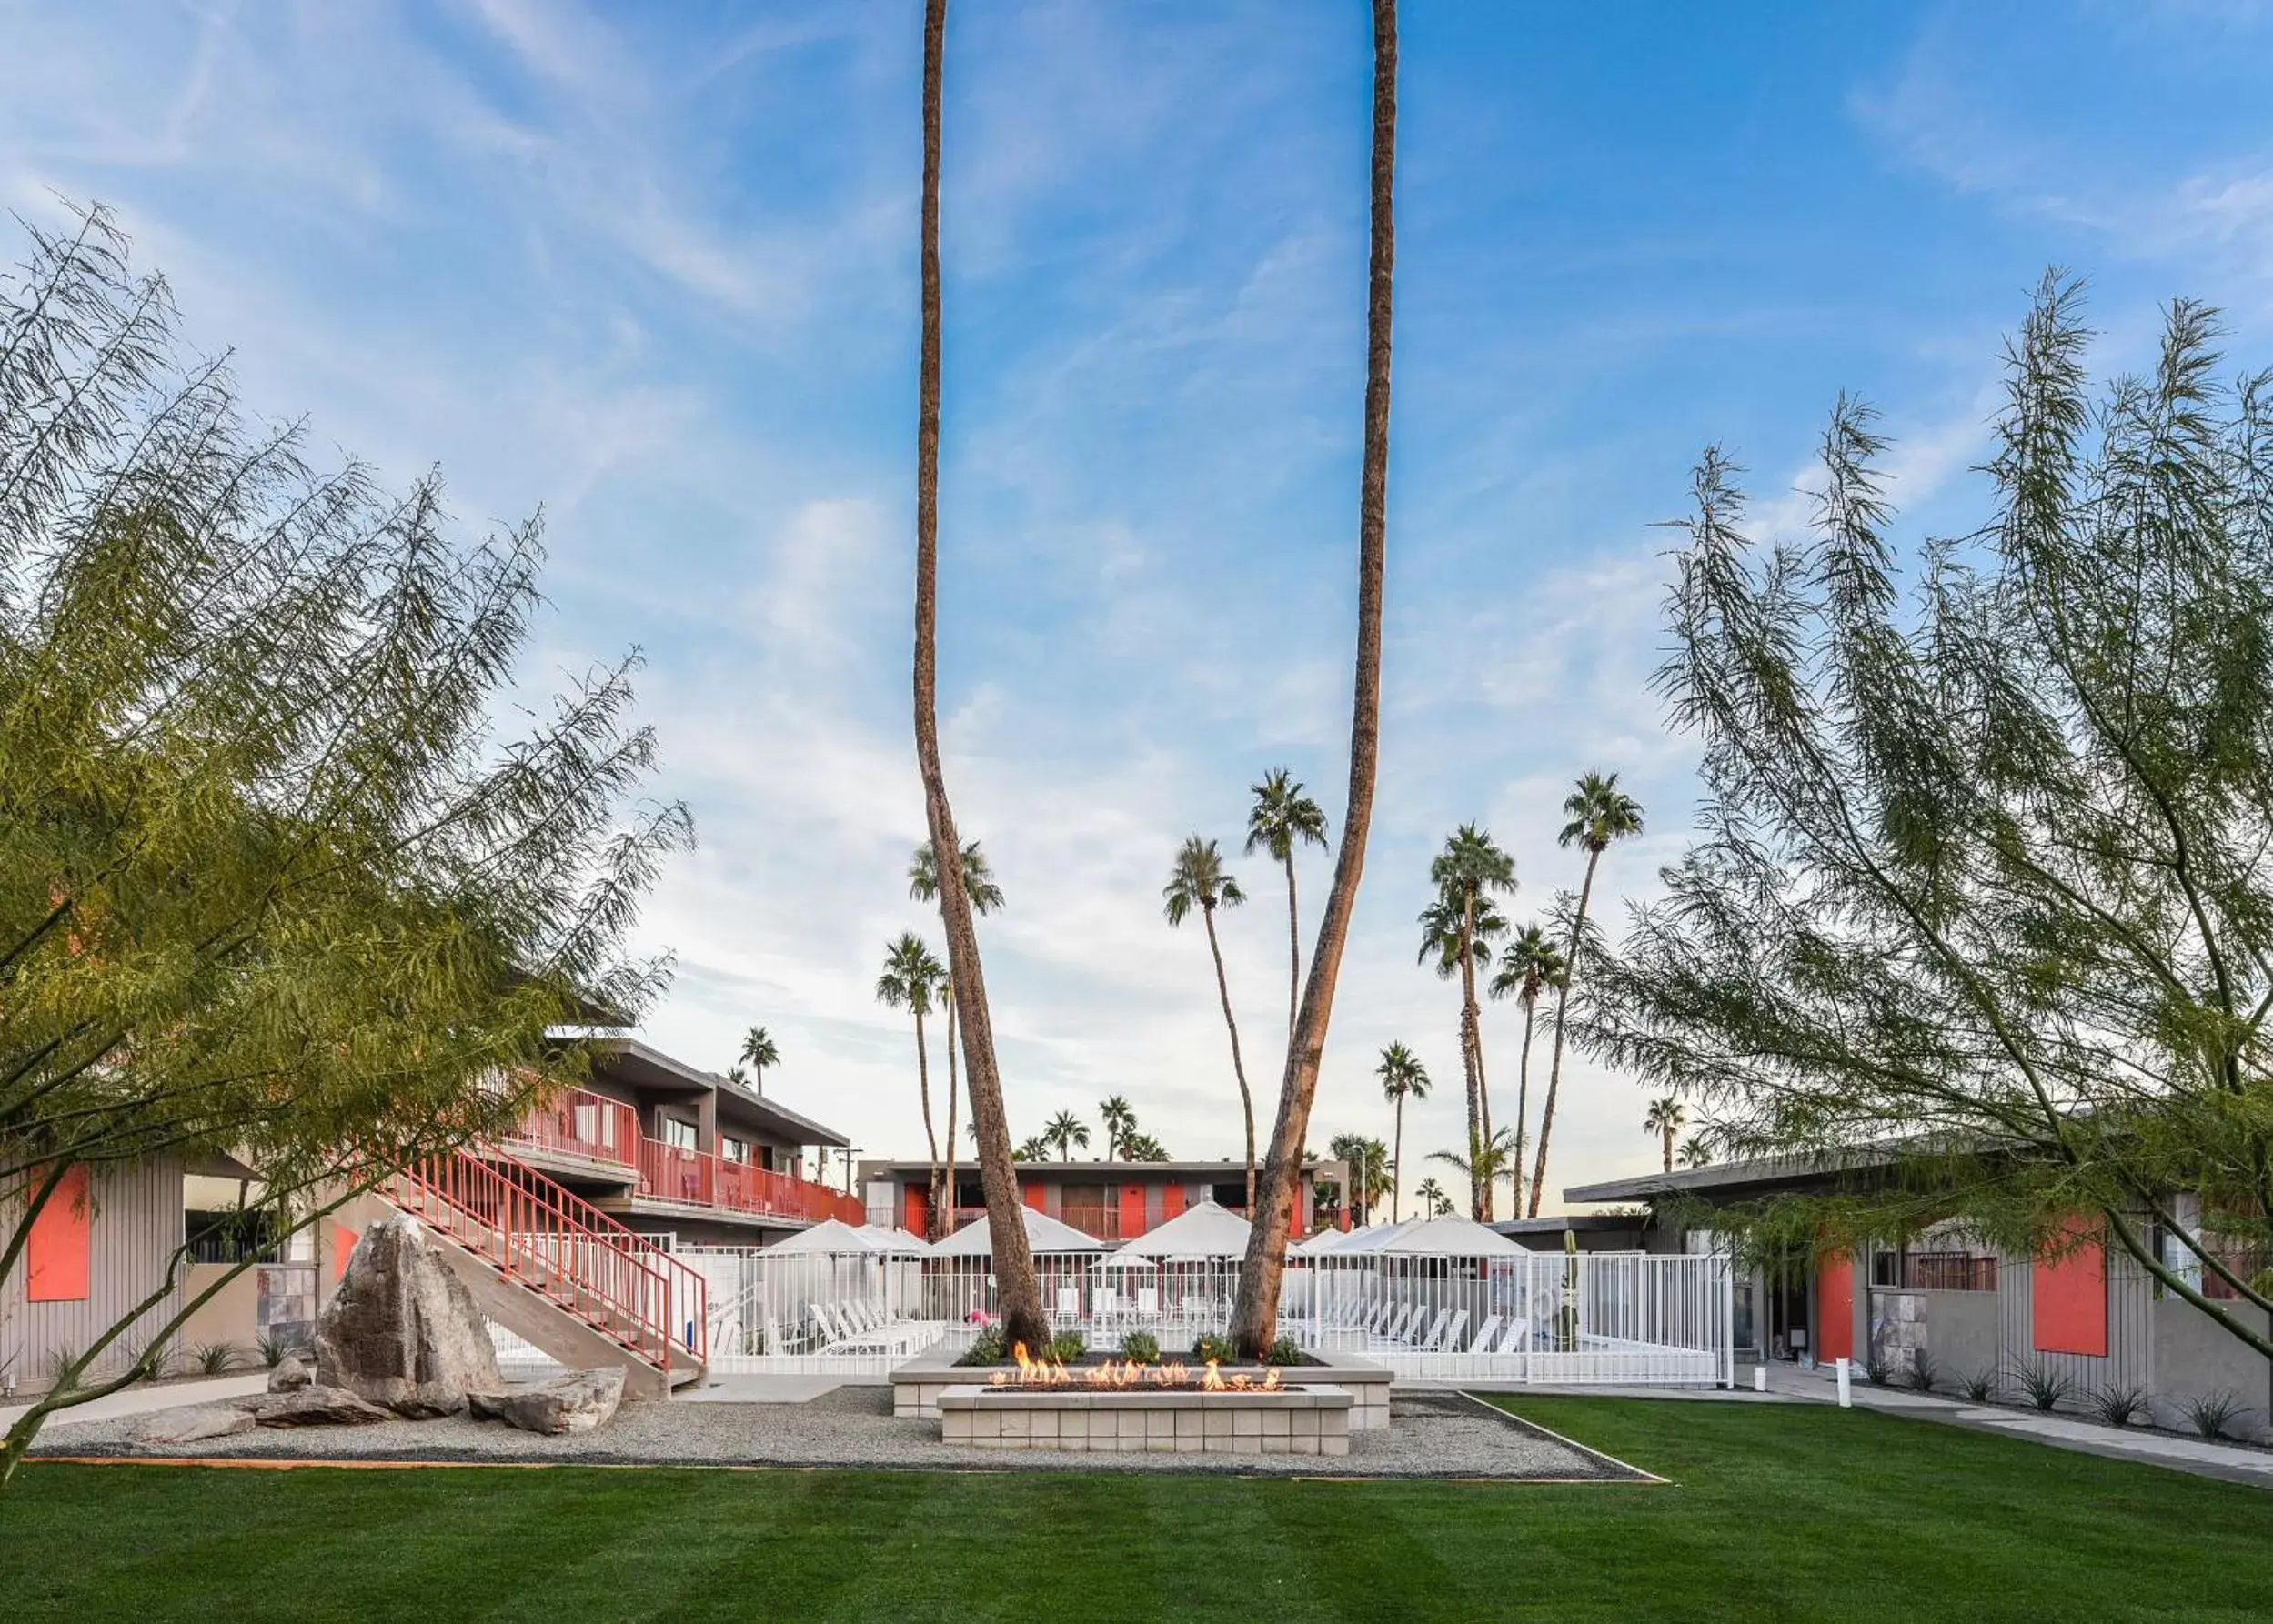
(2047,1388)
(1982,1385)
(2118,1404)
(213,1359)
(2212,1414)
(1922,1370)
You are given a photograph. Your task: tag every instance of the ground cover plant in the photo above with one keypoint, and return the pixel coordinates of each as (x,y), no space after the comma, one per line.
(1771,1511)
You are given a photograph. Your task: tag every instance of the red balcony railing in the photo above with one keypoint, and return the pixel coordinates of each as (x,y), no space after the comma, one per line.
(697,1178)
(581,1123)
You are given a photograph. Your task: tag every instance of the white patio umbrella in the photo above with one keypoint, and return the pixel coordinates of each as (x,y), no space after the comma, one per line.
(831,1237)
(1205,1231)
(1448,1237)
(1044,1234)
(894,1243)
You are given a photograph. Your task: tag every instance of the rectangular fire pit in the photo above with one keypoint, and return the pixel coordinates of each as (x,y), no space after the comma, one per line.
(1293,1420)
(917,1384)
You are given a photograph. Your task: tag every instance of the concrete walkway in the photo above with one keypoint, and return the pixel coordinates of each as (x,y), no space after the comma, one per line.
(147,1400)
(2237,1463)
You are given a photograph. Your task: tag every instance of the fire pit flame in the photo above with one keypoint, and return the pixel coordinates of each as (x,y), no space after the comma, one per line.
(1126,1373)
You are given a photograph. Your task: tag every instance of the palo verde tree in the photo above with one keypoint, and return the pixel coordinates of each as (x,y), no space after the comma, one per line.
(1255,1318)
(272,885)
(1985,867)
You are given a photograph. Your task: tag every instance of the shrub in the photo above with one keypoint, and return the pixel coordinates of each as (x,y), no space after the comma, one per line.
(986,1348)
(213,1358)
(1981,1387)
(273,1349)
(1141,1348)
(1209,1345)
(2213,1414)
(1065,1347)
(1922,1370)
(2045,1388)
(1286,1350)
(1876,1370)
(60,1370)
(2115,1405)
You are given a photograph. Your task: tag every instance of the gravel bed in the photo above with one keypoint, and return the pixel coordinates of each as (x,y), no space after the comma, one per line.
(1431,1435)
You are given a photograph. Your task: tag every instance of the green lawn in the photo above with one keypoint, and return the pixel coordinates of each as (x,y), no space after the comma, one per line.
(1799,1512)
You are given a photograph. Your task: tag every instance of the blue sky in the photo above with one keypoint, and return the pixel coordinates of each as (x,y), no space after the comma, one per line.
(653,267)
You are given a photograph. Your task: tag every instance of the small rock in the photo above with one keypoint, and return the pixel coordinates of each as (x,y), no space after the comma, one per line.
(576,1402)
(191,1425)
(289,1376)
(313,1406)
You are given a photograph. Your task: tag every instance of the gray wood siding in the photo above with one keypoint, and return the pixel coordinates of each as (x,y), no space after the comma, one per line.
(135,1227)
(2130,1361)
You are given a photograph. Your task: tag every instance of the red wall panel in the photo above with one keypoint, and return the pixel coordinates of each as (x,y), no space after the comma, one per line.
(59,1257)
(1171,1202)
(915,1209)
(2069,1297)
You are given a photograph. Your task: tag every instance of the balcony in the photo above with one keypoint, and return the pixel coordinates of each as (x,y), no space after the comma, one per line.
(584,1124)
(697,1179)
(598,1129)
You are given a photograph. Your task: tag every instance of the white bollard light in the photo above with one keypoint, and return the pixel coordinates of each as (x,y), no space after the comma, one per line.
(1846,1393)
(1759,1379)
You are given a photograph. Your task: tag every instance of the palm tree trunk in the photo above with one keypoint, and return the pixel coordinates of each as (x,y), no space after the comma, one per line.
(1293,946)
(1471,1059)
(1669,1150)
(947,1219)
(1397,1167)
(923,1088)
(1017,1292)
(1255,1323)
(1562,1001)
(1239,1069)
(1522,1101)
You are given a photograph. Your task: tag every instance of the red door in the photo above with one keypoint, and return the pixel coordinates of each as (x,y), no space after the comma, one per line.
(1131,1211)
(1834,1309)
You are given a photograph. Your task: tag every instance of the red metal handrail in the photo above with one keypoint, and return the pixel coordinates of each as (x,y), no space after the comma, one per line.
(581,1123)
(542,1237)
(697,1179)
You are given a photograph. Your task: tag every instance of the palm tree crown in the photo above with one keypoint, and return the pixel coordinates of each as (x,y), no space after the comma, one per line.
(1530,963)
(979,882)
(1666,1119)
(1065,1131)
(1402,1075)
(1120,1119)
(1599,813)
(759,1052)
(1199,880)
(1432,1198)
(1283,817)
(912,976)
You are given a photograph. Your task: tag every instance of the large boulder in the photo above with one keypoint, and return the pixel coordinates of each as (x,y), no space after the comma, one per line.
(576,1402)
(316,1406)
(195,1423)
(402,1330)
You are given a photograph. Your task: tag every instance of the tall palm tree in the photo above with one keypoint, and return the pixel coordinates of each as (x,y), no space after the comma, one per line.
(1599,813)
(1199,881)
(1529,965)
(1016,1289)
(1065,1131)
(1402,1078)
(1458,929)
(986,896)
(1667,1117)
(911,980)
(1282,817)
(758,1052)
(1432,1198)
(1120,1119)
(1255,1319)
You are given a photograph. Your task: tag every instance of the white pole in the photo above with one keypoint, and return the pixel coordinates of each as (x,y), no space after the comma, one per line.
(1846,1394)
(1759,1379)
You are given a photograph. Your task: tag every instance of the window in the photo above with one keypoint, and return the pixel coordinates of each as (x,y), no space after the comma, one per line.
(678,1135)
(733,1150)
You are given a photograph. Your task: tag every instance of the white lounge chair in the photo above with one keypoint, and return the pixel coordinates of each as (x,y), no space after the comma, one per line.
(1483,1343)
(1449,1338)
(1517,1338)
(1428,1343)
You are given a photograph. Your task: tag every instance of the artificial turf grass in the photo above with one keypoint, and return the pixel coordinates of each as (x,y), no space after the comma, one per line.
(1774,1511)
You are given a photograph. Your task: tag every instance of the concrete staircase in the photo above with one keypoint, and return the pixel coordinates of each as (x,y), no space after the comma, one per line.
(559,1273)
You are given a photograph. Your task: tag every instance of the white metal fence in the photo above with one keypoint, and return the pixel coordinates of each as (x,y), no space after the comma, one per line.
(1590,1319)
